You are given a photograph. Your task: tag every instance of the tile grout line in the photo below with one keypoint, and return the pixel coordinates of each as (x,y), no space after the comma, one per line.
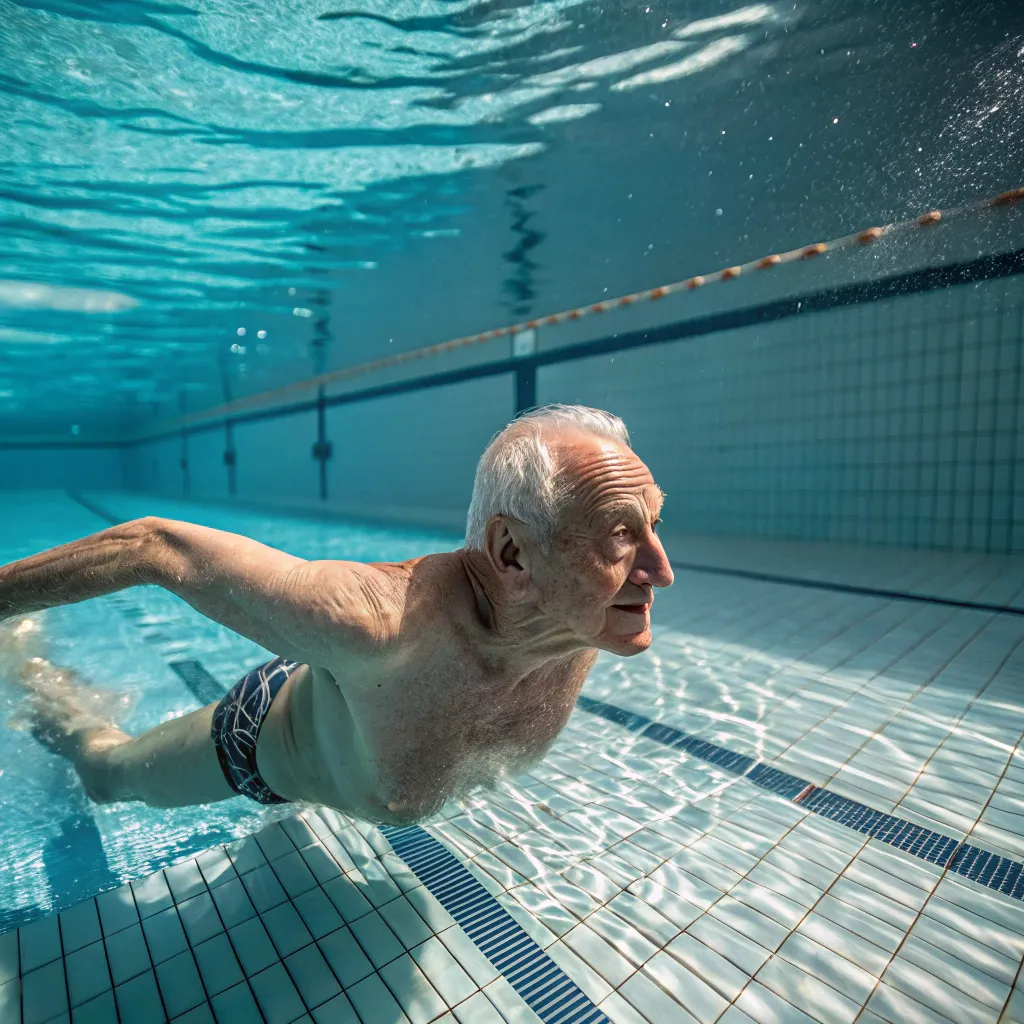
(63,964)
(149,951)
(1009,759)
(1009,998)
(106,955)
(906,935)
(981,814)
(808,911)
(872,679)
(746,877)
(227,935)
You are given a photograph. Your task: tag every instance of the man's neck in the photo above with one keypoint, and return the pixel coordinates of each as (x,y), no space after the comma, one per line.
(520,634)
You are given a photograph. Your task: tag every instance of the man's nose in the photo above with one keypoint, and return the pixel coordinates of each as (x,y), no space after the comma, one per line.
(652,566)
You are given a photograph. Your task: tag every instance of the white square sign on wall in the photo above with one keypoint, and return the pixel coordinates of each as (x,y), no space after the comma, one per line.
(524,344)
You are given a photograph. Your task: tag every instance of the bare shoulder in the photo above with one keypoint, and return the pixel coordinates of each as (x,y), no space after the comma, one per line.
(372,611)
(361,602)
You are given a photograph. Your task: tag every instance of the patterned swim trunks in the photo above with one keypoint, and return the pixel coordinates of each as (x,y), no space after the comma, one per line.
(237,721)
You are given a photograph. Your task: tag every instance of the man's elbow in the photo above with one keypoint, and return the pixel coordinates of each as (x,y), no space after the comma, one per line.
(155,552)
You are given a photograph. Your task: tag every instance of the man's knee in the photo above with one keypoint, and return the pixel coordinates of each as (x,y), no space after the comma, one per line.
(101,766)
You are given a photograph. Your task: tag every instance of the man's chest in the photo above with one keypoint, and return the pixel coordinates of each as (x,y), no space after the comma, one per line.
(456,730)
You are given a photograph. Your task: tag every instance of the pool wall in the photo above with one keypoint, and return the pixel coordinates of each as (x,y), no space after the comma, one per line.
(29,464)
(870,398)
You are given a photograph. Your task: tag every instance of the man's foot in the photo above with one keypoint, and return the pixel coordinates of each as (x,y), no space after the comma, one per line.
(20,639)
(62,714)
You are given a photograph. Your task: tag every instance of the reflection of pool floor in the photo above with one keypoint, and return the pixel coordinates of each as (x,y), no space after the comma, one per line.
(627,875)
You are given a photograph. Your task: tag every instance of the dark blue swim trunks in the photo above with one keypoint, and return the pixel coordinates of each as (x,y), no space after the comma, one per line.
(237,721)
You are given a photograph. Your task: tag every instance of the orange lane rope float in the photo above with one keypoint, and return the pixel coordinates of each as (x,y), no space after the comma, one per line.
(859,238)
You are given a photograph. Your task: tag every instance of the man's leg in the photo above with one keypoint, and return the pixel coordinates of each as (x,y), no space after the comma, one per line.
(174,764)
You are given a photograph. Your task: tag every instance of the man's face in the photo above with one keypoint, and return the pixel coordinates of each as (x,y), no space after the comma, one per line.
(599,577)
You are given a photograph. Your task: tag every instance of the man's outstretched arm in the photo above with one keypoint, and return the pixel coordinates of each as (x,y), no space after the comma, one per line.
(123,556)
(306,611)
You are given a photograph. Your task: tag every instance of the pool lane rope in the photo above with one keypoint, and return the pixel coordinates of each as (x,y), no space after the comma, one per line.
(856,240)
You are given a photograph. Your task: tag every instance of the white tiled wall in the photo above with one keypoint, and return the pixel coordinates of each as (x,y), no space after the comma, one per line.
(416,451)
(893,422)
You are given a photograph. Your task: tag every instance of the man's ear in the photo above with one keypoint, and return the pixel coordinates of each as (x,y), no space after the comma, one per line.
(506,551)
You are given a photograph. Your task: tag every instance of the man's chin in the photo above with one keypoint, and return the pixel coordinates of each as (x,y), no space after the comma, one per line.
(627,646)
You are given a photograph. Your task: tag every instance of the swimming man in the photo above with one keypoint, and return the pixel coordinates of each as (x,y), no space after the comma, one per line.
(396,686)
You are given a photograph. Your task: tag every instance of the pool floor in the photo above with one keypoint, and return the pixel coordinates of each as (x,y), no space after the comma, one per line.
(805,803)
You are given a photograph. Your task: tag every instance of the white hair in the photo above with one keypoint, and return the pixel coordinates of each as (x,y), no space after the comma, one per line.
(516,475)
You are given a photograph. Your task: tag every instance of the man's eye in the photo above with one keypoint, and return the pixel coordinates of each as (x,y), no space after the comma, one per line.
(620,532)
(655,525)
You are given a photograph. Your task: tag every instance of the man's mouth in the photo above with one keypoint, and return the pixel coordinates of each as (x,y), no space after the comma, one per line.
(636,609)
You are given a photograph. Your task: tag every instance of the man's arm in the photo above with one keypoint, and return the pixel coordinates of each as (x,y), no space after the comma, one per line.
(305,611)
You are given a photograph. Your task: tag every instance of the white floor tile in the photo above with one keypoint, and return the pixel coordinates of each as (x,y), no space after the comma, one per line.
(409,985)
(276,995)
(374,1003)
(443,971)
(652,1002)
(311,975)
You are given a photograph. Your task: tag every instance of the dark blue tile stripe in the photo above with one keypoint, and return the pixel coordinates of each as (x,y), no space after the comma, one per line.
(200,683)
(540,982)
(988,869)
(781,783)
(620,716)
(95,509)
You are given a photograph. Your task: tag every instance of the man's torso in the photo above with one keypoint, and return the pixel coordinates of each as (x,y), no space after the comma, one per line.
(393,733)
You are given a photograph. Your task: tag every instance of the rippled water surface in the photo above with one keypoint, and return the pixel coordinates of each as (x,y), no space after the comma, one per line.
(200,199)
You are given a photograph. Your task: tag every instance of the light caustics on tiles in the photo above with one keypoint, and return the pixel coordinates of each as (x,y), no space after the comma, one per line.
(989,869)
(992,870)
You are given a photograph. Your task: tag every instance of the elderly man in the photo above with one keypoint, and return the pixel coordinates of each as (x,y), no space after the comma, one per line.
(397,686)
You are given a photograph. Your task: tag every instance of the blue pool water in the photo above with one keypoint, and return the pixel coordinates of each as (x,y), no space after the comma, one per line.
(57,846)
(199,200)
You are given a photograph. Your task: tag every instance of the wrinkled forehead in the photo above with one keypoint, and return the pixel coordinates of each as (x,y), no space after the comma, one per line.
(597,474)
